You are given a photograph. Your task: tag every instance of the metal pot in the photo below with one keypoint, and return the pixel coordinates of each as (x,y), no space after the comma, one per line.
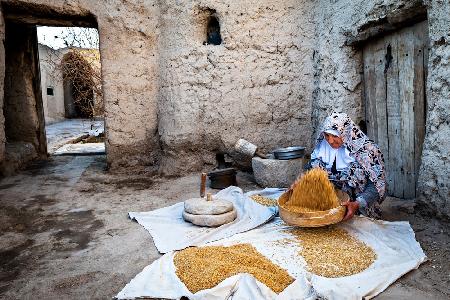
(222,178)
(289,152)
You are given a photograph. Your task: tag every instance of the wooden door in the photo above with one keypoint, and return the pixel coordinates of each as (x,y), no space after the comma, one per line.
(395,71)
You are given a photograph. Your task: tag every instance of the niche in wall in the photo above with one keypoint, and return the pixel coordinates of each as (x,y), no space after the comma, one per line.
(207,29)
(213,30)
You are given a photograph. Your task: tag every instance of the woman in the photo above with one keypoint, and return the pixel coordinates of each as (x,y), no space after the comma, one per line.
(354,164)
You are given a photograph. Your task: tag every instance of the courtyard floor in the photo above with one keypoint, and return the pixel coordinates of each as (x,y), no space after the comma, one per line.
(65,234)
(63,132)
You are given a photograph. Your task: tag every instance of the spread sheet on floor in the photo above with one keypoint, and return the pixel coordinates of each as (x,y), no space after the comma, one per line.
(393,242)
(170,232)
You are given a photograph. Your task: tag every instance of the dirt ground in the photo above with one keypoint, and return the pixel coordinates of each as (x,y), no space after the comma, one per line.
(65,233)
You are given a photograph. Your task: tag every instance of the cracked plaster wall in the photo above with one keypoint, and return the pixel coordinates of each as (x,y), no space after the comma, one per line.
(2,82)
(255,85)
(22,113)
(51,76)
(434,178)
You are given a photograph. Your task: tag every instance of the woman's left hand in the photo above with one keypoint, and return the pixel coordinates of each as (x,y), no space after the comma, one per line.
(352,208)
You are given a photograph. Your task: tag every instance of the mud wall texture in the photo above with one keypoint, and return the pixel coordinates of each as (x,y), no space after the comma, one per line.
(434,180)
(2,83)
(337,78)
(51,77)
(255,85)
(23,113)
(129,33)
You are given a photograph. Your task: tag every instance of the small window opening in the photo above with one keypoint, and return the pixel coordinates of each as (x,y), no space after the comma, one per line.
(50,91)
(213,31)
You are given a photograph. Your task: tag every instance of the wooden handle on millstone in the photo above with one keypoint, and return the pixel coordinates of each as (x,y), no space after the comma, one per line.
(209,197)
(203,185)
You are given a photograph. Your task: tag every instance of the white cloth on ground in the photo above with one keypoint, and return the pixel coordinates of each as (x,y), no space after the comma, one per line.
(394,243)
(328,154)
(171,232)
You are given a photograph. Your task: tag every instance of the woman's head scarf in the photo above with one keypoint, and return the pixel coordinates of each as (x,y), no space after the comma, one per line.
(328,155)
(365,151)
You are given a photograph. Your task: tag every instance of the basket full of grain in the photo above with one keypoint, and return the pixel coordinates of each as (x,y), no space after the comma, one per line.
(312,202)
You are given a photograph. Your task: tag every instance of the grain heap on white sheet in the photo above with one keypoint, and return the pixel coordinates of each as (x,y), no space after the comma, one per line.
(201,268)
(333,252)
(264,200)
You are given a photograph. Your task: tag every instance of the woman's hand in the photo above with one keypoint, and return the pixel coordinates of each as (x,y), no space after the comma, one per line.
(352,208)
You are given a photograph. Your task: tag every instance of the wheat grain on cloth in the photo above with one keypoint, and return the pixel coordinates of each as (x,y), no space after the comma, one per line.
(170,232)
(397,252)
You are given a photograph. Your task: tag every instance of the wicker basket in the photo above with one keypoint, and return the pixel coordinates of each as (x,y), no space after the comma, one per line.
(312,219)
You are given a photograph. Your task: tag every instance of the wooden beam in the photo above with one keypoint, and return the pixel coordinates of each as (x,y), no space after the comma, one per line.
(406,84)
(394,159)
(38,14)
(414,12)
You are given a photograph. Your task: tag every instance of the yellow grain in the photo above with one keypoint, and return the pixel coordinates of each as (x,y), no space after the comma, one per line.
(264,200)
(201,268)
(314,192)
(298,209)
(333,252)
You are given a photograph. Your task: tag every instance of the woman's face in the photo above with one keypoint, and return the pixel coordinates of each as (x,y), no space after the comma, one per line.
(334,141)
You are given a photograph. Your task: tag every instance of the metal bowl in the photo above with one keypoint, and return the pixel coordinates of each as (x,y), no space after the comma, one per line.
(289,152)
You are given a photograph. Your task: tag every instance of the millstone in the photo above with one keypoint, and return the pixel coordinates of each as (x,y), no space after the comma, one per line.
(210,220)
(276,172)
(199,206)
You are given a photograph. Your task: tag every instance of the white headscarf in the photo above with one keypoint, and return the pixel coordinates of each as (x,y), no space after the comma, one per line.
(328,154)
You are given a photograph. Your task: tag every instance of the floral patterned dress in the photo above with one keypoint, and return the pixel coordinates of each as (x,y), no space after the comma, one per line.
(364,178)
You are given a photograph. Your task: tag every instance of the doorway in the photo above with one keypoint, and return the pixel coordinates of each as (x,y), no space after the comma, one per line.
(24,108)
(70,68)
(395,73)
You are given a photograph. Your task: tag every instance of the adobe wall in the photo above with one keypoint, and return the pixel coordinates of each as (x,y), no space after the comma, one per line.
(51,76)
(255,85)
(129,32)
(2,83)
(434,177)
(23,114)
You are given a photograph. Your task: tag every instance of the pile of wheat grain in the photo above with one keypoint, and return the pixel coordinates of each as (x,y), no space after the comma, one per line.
(201,268)
(313,192)
(333,252)
(264,200)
